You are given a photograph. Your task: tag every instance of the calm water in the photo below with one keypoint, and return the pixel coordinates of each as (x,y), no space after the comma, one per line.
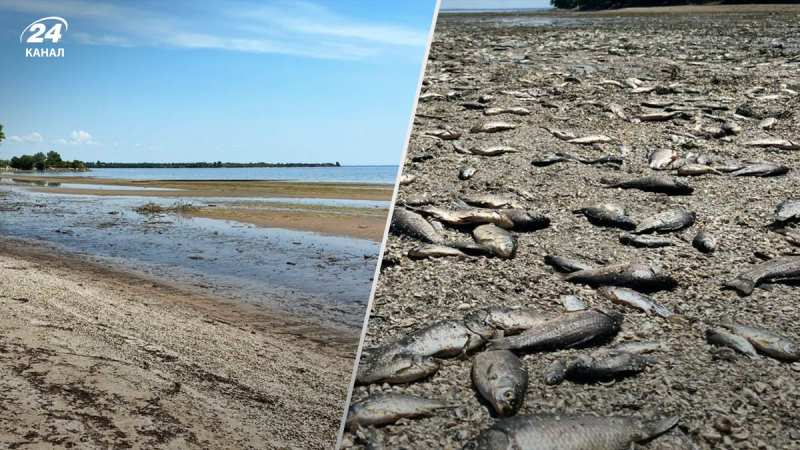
(344,174)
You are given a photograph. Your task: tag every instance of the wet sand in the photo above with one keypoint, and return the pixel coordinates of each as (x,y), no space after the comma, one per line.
(359,226)
(92,357)
(214,188)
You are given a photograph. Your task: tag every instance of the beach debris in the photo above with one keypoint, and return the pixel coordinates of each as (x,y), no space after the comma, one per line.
(572,303)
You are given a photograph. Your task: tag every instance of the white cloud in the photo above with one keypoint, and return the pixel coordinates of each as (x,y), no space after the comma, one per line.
(32,138)
(77,139)
(291,27)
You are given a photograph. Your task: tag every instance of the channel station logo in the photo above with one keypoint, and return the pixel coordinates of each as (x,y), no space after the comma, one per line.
(44,31)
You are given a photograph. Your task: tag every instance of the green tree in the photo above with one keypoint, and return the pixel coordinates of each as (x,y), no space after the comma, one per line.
(54,159)
(2,136)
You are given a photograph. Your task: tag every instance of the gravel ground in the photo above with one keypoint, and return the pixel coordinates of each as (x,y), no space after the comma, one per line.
(556,71)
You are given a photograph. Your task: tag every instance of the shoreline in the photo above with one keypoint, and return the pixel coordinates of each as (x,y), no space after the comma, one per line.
(768,8)
(122,358)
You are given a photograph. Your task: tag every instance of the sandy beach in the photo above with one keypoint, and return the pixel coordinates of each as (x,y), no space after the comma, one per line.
(97,358)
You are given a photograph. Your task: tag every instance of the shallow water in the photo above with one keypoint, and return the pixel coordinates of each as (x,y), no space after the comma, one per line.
(39,183)
(344,174)
(297,271)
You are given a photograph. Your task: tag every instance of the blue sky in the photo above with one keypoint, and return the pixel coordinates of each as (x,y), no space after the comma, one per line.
(239,81)
(493,4)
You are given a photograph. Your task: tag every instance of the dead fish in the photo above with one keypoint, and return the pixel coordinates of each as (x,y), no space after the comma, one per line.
(634,299)
(657,103)
(443,339)
(493,151)
(383,409)
(767,123)
(554,159)
(643,89)
(761,169)
(435,251)
(731,128)
(409,223)
(639,348)
(427,96)
(643,241)
(407,179)
(568,432)
(556,372)
(670,220)
(490,201)
(635,276)
(661,158)
(563,264)
(401,368)
(723,338)
(500,241)
(704,242)
(611,160)
(467,216)
(590,140)
(779,269)
(617,110)
(782,144)
(563,135)
(606,364)
(508,320)
(517,110)
(662,185)
(501,379)
(445,135)
(492,127)
(787,211)
(694,170)
(607,215)
(573,303)
(765,341)
(658,116)
(466,173)
(525,220)
(473,106)
(567,330)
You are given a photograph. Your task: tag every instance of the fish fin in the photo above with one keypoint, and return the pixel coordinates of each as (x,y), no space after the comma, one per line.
(745,287)
(659,427)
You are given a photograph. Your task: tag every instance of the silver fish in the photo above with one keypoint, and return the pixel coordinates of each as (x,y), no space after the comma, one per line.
(606,364)
(658,116)
(573,303)
(778,269)
(662,185)
(498,240)
(704,242)
(493,151)
(444,339)
(607,215)
(466,173)
(563,135)
(556,372)
(567,330)
(761,169)
(694,170)
(435,251)
(787,211)
(445,135)
(409,223)
(590,140)
(765,341)
(467,216)
(517,110)
(723,338)
(492,127)
(501,379)
(660,159)
(644,241)
(563,264)
(383,409)
(569,432)
(783,144)
(639,348)
(629,297)
(490,201)
(767,123)
(635,276)
(508,320)
(671,220)
(401,368)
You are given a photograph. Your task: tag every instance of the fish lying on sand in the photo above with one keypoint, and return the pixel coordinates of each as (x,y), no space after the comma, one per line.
(724,338)
(607,215)
(643,241)
(765,341)
(401,368)
(670,220)
(564,331)
(786,268)
(565,265)
(409,223)
(383,409)
(704,242)
(662,185)
(501,379)
(600,365)
(569,432)
(635,276)
(443,339)
(507,320)
(500,241)
(634,299)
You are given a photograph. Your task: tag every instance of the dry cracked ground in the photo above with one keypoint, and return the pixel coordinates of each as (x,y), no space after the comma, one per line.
(567,72)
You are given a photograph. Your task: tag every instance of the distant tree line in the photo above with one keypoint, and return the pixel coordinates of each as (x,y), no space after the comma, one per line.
(41,161)
(199,165)
(612,4)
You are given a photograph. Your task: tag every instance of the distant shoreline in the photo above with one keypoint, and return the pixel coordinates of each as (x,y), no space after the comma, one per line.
(201,165)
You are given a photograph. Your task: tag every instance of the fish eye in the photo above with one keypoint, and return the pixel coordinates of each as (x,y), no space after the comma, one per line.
(508,396)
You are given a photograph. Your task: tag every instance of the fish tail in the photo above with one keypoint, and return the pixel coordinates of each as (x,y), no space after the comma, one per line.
(659,427)
(745,287)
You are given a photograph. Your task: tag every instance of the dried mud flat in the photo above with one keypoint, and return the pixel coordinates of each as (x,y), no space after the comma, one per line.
(557,71)
(94,358)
